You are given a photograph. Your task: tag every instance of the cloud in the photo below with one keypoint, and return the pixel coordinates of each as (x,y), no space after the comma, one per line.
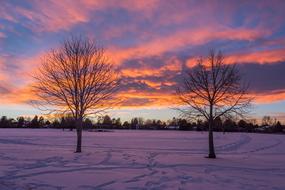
(151,81)
(4,89)
(17,95)
(269,97)
(262,57)
(54,15)
(135,98)
(182,39)
(264,78)
(2,35)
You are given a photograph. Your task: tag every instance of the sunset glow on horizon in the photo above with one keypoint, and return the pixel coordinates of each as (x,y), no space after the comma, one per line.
(151,42)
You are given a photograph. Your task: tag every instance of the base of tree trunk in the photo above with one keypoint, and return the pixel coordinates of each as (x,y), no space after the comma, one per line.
(212,156)
(77,151)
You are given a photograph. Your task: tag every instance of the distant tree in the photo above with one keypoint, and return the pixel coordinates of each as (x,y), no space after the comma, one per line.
(163,125)
(213,89)
(118,122)
(107,120)
(126,125)
(173,122)
(183,124)
(88,123)
(41,121)
(4,122)
(76,78)
(200,125)
(267,120)
(67,122)
(242,123)
(100,120)
(229,125)
(34,122)
(148,123)
(47,123)
(159,124)
(278,127)
(218,124)
(63,123)
(253,121)
(20,122)
(113,121)
(140,121)
(55,124)
(134,123)
(137,122)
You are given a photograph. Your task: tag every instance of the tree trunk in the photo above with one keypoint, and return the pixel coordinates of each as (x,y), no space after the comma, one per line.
(79,135)
(211,140)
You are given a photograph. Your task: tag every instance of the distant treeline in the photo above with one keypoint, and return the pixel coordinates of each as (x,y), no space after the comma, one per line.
(268,125)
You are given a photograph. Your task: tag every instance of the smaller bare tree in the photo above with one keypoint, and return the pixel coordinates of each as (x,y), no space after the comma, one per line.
(213,89)
(76,78)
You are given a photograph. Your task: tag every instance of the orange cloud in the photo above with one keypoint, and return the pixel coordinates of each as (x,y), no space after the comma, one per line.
(261,57)
(20,95)
(142,72)
(181,39)
(22,74)
(134,98)
(161,99)
(270,97)
(152,84)
(17,95)
(172,64)
(156,85)
(131,97)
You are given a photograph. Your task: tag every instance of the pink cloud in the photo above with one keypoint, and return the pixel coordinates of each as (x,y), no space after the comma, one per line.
(54,15)
(189,37)
(2,73)
(2,35)
(172,64)
(261,57)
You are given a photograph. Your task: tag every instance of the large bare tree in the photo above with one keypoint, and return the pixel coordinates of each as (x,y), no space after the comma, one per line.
(213,89)
(76,78)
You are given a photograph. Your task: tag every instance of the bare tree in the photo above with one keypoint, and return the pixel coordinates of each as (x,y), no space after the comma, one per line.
(267,120)
(76,78)
(213,89)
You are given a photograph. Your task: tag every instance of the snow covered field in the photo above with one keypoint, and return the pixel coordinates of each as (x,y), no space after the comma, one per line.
(44,159)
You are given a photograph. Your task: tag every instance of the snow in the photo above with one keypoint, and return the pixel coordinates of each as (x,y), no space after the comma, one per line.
(44,159)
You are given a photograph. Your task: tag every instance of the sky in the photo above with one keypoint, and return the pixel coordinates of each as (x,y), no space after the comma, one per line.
(152,42)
